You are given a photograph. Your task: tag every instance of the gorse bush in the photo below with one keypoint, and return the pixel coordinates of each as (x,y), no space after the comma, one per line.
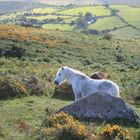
(114,132)
(10,89)
(64,91)
(12,51)
(19,87)
(34,85)
(64,126)
(60,119)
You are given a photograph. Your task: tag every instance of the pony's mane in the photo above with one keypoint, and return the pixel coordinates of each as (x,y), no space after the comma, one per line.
(77,72)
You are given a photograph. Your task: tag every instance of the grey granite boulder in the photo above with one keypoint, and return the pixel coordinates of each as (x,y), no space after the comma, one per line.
(101,106)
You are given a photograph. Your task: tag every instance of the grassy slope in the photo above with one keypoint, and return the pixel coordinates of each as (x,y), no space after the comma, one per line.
(83,2)
(46,51)
(14,6)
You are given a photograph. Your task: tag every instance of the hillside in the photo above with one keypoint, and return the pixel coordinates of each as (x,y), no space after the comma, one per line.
(83,2)
(14,6)
(31,56)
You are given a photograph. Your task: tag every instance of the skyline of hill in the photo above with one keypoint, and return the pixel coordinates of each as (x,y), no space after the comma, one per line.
(9,6)
(80,2)
(83,2)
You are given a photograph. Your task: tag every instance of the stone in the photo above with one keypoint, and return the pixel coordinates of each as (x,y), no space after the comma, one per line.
(102,106)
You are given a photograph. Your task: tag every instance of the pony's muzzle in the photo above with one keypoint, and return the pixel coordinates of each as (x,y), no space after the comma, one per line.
(56,82)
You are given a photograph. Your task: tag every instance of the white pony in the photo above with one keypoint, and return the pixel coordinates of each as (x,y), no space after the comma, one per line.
(83,85)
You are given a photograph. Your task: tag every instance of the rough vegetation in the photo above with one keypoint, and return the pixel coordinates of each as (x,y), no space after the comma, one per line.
(64,126)
(10,89)
(61,126)
(45,52)
(114,132)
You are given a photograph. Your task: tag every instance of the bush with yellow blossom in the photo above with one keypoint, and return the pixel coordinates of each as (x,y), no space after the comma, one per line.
(9,88)
(65,127)
(114,132)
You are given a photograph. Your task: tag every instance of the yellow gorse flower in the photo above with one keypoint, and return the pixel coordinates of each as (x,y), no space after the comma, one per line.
(2,78)
(20,86)
(115,132)
(66,122)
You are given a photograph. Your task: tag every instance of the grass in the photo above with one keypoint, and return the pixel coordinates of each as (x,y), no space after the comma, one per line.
(48,10)
(46,51)
(125,32)
(40,18)
(29,110)
(107,23)
(119,7)
(70,19)
(63,27)
(133,17)
(11,16)
(97,10)
(129,14)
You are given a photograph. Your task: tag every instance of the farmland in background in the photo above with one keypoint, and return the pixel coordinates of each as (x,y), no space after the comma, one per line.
(117,20)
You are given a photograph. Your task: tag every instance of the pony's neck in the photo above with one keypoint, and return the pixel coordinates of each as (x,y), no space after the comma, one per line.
(71,73)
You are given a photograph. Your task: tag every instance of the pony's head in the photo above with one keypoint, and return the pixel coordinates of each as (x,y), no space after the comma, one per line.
(60,76)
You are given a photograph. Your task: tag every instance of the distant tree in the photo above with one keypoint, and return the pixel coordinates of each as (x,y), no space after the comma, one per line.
(59,19)
(88,16)
(27,14)
(114,11)
(14,51)
(72,23)
(81,22)
(80,14)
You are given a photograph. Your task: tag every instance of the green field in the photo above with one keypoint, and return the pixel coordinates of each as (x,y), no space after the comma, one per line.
(40,18)
(44,10)
(126,32)
(129,14)
(95,10)
(30,109)
(107,23)
(58,26)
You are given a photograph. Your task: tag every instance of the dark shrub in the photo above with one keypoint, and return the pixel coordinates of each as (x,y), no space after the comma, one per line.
(14,51)
(120,58)
(64,91)
(98,75)
(107,36)
(10,89)
(34,85)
